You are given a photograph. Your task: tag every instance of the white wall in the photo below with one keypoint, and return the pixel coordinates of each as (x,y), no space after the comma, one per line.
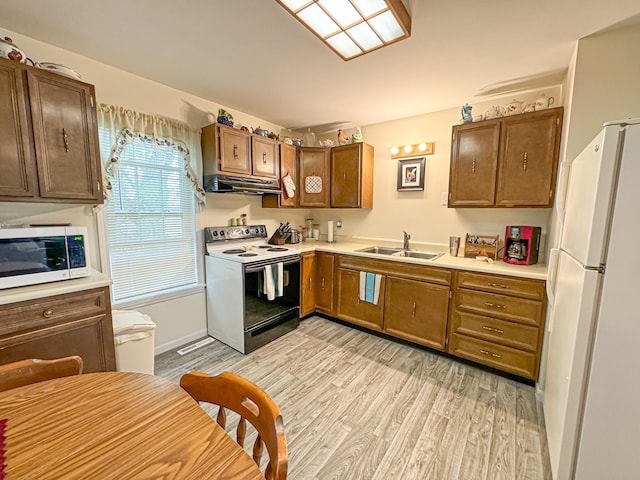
(421,213)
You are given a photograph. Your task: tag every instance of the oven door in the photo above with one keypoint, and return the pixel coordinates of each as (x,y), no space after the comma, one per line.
(259,312)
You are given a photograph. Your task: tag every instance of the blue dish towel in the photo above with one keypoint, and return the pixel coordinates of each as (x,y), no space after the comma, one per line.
(369,287)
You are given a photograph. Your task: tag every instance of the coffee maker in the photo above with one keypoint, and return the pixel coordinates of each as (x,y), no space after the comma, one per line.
(521,245)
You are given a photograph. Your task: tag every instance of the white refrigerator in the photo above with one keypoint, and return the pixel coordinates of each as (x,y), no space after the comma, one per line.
(592,388)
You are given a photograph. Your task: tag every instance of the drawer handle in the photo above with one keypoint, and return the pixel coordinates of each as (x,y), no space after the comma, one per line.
(490,354)
(235,151)
(495,305)
(323,283)
(414,309)
(496,285)
(264,157)
(47,313)
(65,139)
(473,166)
(344,176)
(491,329)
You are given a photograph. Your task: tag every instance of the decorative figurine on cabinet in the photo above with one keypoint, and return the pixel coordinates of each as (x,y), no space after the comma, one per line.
(342,138)
(466,113)
(357,137)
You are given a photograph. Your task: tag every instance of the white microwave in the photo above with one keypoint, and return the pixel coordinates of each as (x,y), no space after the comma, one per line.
(29,256)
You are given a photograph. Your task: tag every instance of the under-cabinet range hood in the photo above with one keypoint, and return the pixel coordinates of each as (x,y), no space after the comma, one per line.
(246,185)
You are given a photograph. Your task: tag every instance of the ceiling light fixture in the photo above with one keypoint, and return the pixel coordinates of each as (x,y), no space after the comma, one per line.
(352,28)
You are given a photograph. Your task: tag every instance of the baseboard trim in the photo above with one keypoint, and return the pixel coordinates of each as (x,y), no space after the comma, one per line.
(179,342)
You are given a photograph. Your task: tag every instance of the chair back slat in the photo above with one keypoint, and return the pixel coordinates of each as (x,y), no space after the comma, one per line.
(26,372)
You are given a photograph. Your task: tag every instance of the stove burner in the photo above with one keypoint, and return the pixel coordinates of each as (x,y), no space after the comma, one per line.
(234,250)
(248,255)
(277,249)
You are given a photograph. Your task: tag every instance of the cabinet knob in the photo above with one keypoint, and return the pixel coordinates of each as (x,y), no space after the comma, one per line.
(47,313)
(65,139)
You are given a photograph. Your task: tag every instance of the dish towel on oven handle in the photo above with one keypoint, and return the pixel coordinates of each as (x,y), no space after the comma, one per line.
(369,287)
(273,280)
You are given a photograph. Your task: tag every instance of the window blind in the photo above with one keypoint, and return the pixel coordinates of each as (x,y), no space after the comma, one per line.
(151,223)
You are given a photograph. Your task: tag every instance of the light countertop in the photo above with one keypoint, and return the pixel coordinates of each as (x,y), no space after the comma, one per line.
(537,271)
(20,294)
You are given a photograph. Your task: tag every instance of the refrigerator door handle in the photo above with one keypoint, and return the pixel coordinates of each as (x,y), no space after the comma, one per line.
(563,182)
(554,256)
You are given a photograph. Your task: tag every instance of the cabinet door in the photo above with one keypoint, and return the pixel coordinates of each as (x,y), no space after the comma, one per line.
(18,173)
(308,284)
(66,137)
(314,162)
(474,163)
(234,151)
(265,157)
(528,163)
(416,311)
(324,283)
(350,308)
(289,165)
(346,162)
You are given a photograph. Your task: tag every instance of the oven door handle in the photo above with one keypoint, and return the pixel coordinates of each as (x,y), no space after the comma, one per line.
(249,269)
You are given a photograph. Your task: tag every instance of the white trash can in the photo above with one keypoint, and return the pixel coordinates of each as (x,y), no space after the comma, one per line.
(133,334)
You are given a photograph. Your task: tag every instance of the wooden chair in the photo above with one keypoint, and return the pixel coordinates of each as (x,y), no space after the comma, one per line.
(250,402)
(26,372)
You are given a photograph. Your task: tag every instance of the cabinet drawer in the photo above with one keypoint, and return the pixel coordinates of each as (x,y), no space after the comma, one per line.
(399,268)
(519,287)
(47,311)
(498,356)
(499,306)
(512,334)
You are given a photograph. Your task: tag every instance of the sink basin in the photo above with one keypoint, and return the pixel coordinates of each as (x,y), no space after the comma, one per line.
(422,255)
(380,250)
(398,252)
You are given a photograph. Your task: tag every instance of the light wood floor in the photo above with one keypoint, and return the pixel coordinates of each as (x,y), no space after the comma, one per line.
(357,406)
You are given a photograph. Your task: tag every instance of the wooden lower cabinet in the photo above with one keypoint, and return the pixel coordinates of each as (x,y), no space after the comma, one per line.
(416,311)
(351,308)
(498,321)
(307,284)
(76,323)
(324,282)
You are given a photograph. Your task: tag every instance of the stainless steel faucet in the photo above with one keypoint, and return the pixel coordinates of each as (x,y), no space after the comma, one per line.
(405,241)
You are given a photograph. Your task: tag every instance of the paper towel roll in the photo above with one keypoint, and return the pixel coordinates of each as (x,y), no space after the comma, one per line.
(330,231)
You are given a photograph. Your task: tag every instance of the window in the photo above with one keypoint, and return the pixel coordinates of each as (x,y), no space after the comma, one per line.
(150,221)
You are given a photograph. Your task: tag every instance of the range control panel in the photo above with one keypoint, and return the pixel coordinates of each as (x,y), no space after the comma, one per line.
(216,234)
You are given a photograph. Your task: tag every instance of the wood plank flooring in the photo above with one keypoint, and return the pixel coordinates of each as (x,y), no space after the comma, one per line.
(357,406)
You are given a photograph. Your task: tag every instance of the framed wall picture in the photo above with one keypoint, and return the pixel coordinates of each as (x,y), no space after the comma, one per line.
(411,174)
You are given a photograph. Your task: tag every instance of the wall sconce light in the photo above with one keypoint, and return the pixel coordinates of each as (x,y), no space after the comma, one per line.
(425,148)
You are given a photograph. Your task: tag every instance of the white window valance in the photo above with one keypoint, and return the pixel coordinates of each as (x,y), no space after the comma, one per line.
(124,125)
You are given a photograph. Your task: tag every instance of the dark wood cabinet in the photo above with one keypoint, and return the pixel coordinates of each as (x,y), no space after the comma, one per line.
(307,283)
(288,166)
(498,321)
(76,323)
(474,162)
(351,308)
(417,311)
(49,137)
(265,157)
(352,176)
(324,282)
(506,162)
(314,177)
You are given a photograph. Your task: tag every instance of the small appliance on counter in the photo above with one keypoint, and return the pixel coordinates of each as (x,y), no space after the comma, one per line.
(521,245)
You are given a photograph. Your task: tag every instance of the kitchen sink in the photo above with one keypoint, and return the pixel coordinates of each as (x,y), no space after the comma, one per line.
(380,250)
(398,252)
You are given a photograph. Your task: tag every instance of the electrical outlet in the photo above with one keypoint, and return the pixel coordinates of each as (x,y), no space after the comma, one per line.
(444,199)
(338,223)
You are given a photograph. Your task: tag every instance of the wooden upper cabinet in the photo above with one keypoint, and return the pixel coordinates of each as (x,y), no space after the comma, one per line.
(314,178)
(289,165)
(17,176)
(506,162)
(352,176)
(529,159)
(474,161)
(265,157)
(234,153)
(66,137)
(49,137)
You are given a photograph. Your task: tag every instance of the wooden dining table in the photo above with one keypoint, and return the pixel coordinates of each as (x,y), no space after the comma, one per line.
(115,425)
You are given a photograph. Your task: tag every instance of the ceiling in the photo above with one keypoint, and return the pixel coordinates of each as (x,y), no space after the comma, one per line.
(253,56)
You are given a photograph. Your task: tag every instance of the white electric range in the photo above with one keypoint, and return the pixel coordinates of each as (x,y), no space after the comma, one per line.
(239,310)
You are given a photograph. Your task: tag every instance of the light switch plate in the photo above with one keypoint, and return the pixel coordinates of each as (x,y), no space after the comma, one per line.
(444,199)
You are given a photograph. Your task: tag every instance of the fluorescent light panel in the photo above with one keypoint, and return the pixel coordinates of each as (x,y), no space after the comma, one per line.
(353,27)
